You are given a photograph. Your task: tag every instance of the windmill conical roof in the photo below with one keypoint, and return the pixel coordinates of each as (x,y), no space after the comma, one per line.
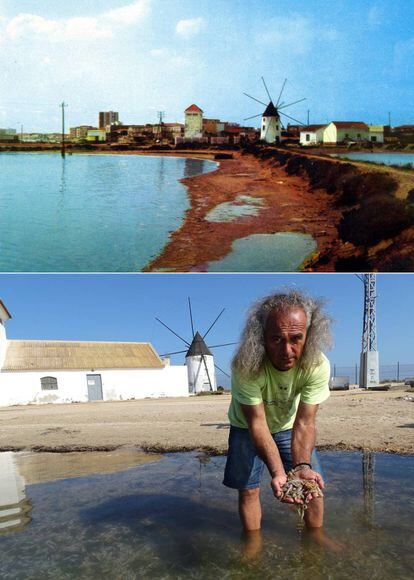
(198,347)
(271,110)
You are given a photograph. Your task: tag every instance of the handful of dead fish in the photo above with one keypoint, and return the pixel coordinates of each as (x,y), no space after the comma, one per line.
(299,489)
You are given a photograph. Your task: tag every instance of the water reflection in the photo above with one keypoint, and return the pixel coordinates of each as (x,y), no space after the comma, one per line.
(14,505)
(172,518)
(368,486)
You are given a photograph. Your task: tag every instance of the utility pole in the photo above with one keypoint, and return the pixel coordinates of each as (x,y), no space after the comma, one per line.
(369,367)
(389,120)
(63,105)
(308,117)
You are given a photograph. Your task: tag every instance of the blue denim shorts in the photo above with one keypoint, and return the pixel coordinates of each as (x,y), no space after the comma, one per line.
(244,468)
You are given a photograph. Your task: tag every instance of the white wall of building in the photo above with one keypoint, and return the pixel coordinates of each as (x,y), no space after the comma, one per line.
(24,387)
(311,137)
(198,379)
(271,129)
(3,343)
(332,134)
(193,124)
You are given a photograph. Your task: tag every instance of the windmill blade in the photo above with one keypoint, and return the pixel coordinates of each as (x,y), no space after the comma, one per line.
(214,323)
(267,91)
(208,374)
(280,95)
(290,104)
(171,330)
(221,370)
(176,352)
(254,117)
(296,121)
(257,100)
(191,316)
(226,344)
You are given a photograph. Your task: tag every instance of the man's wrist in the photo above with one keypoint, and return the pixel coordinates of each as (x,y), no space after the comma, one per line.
(303,465)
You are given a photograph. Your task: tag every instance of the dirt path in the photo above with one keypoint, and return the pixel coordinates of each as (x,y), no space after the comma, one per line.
(286,205)
(380,421)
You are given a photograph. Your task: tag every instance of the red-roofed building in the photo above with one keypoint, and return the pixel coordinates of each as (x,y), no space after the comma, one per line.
(193,122)
(345,131)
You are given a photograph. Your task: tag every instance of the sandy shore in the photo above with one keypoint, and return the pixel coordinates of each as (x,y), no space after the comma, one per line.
(287,205)
(378,421)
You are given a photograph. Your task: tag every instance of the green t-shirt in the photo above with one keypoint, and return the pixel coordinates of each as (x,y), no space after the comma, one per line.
(280,392)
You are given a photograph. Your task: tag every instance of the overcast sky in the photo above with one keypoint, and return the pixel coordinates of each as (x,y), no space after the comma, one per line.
(123,308)
(351,59)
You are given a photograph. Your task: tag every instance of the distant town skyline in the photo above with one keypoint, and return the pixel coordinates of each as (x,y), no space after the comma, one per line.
(351,60)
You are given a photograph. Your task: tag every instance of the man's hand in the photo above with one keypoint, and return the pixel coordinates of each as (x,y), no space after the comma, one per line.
(312,475)
(277,482)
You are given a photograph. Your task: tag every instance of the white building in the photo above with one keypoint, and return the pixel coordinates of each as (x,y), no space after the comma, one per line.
(96,135)
(345,131)
(200,367)
(271,129)
(40,371)
(376,133)
(311,135)
(193,122)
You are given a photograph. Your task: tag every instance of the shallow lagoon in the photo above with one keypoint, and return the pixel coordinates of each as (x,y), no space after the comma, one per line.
(385,158)
(280,252)
(172,518)
(89,213)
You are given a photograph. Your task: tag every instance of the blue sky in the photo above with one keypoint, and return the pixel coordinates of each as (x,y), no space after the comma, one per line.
(351,59)
(123,308)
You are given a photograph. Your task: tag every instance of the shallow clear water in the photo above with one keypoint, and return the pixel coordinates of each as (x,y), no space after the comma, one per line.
(386,158)
(91,213)
(174,519)
(243,206)
(281,252)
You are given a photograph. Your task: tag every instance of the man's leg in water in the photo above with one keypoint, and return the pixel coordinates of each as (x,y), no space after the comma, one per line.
(250,510)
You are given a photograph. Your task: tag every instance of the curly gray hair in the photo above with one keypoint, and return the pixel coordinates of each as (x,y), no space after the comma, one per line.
(251,352)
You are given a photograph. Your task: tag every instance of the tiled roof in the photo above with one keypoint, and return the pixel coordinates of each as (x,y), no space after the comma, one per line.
(350,124)
(193,109)
(25,355)
(312,127)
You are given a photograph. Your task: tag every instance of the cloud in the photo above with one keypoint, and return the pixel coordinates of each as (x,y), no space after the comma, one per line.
(157,52)
(26,25)
(131,14)
(188,28)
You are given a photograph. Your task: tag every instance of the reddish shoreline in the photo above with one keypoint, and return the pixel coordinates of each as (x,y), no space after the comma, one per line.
(288,206)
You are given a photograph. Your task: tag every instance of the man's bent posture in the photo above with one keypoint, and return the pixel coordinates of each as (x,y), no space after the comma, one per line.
(280,376)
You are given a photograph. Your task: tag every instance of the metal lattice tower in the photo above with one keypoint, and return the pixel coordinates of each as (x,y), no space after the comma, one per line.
(369,369)
(369,333)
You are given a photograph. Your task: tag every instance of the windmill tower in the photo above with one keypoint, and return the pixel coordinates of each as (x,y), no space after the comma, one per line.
(369,362)
(200,367)
(271,128)
(199,358)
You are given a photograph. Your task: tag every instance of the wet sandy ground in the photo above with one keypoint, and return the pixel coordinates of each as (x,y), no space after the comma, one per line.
(287,205)
(378,421)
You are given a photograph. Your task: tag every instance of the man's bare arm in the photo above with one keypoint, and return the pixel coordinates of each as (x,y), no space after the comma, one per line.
(303,439)
(265,445)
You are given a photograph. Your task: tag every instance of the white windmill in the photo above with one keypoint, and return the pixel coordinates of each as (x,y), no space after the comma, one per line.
(271,128)
(199,358)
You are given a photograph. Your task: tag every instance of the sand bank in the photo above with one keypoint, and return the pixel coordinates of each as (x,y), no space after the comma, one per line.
(378,421)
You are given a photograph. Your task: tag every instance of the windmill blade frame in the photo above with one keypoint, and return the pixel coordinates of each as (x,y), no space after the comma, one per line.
(293,119)
(253,117)
(281,92)
(267,90)
(208,374)
(222,371)
(254,99)
(191,316)
(290,104)
(211,326)
(170,329)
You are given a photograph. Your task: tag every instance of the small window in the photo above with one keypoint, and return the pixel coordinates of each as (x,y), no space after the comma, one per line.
(49,383)
(264,127)
(307,137)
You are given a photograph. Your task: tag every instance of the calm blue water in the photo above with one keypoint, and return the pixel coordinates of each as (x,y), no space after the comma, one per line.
(386,158)
(281,252)
(91,213)
(174,519)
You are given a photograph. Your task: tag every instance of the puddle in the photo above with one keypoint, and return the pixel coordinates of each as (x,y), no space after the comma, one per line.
(281,252)
(172,518)
(242,206)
